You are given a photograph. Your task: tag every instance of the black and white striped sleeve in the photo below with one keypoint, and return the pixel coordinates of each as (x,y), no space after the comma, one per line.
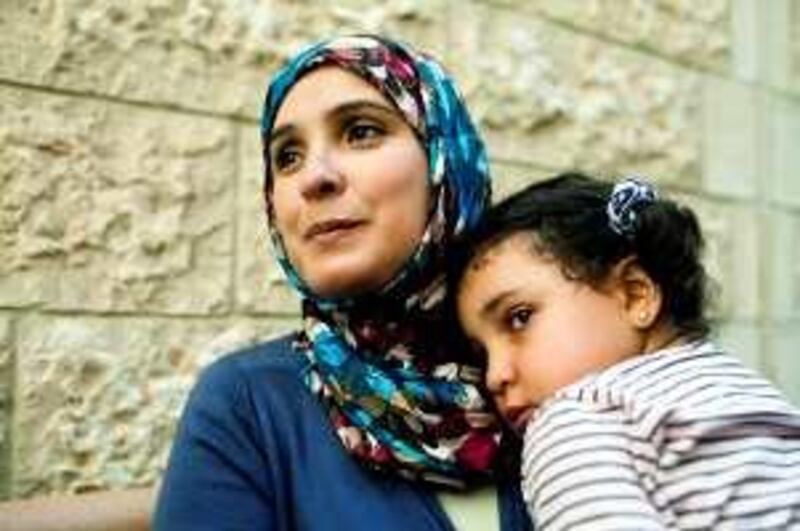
(582,469)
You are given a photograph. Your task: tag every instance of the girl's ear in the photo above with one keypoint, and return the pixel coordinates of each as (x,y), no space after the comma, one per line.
(640,296)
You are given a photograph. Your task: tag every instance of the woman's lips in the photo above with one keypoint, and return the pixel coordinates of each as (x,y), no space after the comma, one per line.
(331,228)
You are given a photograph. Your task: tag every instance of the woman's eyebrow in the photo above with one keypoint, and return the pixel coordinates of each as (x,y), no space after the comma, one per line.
(279,132)
(360,105)
(348,107)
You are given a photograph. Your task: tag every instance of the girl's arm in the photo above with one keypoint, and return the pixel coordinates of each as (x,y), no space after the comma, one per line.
(579,473)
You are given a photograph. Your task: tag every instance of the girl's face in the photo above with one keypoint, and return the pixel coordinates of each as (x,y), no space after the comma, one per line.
(349,183)
(540,331)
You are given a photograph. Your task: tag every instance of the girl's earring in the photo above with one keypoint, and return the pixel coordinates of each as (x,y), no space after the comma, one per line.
(643,318)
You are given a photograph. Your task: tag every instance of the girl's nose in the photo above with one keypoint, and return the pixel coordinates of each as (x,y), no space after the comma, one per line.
(499,373)
(321,177)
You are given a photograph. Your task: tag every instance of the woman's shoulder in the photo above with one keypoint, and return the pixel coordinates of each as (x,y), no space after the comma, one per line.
(277,353)
(271,365)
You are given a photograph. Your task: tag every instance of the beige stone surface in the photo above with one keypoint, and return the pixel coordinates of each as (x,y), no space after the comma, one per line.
(782,135)
(99,397)
(745,40)
(784,363)
(556,99)
(261,286)
(6,401)
(113,207)
(775,51)
(509,177)
(764,43)
(794,82)
(745,340)
(732,137)
(732,256)
(695,33)
(199,54)
(782,293)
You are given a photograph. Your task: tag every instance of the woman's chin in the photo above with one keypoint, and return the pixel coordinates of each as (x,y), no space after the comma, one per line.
(349,272)
(342,283)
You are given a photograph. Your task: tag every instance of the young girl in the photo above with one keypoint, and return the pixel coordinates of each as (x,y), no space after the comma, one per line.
(588,301)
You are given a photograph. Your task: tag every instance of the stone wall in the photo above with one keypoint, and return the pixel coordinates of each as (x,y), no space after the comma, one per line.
(132,240)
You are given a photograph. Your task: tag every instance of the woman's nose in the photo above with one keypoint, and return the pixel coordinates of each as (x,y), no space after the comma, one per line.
(321,177)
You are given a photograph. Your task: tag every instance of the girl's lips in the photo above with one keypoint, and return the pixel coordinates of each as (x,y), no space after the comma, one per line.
(518,417)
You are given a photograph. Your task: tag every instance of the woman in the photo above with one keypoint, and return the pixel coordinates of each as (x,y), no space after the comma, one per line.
(356,422)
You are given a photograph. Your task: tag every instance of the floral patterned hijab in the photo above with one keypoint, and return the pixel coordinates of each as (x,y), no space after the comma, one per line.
(398,398)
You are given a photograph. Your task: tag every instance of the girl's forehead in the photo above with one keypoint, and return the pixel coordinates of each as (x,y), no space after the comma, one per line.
(522,244)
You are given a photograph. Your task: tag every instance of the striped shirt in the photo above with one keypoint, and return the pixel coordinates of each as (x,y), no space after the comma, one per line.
(683,438)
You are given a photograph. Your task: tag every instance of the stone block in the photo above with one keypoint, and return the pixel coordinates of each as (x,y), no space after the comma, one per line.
(199,54)
(109,207)
(794,73)
(554,98)
(766,43)
(781,260)
(261,284)
(98,398)
(782,118)
(695,33)
(745,39)
(732,257)
(744,340)
(6,401)
(731,138)
(782,357)
(509,177)
(775,43)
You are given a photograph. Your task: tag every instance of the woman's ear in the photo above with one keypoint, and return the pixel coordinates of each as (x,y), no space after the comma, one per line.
(640,296)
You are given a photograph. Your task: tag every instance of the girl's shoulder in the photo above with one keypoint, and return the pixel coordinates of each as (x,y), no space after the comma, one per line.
(686,383)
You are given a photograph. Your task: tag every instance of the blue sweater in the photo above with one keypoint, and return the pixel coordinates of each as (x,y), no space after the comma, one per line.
(255,451)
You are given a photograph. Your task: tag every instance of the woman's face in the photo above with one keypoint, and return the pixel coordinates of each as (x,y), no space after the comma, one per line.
(349,183)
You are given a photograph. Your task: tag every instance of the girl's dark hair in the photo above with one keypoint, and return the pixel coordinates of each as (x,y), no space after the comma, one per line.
(567,217)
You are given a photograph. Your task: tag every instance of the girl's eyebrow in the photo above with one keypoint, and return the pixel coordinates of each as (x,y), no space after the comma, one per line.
(490,306)
(347,107)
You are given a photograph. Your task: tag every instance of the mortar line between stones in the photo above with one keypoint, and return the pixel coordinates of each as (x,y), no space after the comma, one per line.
(235,202)
(607,39)
(674,61)
(149,105)
(765,237)
(643,50)
(771,205)
(146,314)
(13,408)
(762,87)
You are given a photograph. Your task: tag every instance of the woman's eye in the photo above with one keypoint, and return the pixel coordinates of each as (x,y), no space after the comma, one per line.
(286,158)
(363,133)
(518,318)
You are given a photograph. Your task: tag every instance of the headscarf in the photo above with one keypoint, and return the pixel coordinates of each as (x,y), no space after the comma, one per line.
(397,398)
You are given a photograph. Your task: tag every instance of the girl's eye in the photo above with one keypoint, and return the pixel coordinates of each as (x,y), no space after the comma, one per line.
(518,318)
(286,159)
(363,133)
